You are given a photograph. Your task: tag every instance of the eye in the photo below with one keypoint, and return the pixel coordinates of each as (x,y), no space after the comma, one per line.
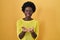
(27,10)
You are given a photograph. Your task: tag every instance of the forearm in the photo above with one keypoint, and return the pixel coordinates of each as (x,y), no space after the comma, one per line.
(21,35)
(34,35)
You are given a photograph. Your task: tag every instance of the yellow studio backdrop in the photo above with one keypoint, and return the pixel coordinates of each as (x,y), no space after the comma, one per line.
(47,13)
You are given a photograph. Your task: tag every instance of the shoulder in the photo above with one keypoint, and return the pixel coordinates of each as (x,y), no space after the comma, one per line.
(18,20)
(37,21)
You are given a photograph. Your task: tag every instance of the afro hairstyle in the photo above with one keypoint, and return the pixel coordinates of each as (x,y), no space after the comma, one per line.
(29,4)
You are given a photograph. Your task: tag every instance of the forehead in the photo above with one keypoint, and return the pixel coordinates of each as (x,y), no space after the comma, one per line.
(28,8)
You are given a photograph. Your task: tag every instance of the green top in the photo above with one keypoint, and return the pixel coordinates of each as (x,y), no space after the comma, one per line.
(27,24)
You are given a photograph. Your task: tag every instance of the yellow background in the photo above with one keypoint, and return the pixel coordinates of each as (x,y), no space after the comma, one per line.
(47,13)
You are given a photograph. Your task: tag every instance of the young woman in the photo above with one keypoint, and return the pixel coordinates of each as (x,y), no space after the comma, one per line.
(27,27)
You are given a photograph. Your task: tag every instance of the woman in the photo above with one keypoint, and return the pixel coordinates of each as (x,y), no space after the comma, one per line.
(27,28)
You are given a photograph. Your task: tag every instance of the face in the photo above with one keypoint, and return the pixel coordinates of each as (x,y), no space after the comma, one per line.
(28,11)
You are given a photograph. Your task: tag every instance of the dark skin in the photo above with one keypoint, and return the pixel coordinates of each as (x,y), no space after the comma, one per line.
(28,13)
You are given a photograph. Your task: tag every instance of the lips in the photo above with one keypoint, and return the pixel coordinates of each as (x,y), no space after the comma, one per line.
(27,14)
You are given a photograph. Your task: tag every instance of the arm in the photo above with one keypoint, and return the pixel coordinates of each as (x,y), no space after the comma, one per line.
(36,32)
(37,29)
(34,35)
(21,35)
(20,30)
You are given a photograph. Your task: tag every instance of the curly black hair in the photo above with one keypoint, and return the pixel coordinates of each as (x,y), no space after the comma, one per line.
(29,4)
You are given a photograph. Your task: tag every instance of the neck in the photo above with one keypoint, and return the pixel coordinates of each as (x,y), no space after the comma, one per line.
(28,18)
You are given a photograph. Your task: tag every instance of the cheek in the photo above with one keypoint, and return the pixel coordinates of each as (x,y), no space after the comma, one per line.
(28,13)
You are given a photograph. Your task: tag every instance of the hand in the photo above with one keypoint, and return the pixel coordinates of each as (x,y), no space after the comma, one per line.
(24,29)
(31,30)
